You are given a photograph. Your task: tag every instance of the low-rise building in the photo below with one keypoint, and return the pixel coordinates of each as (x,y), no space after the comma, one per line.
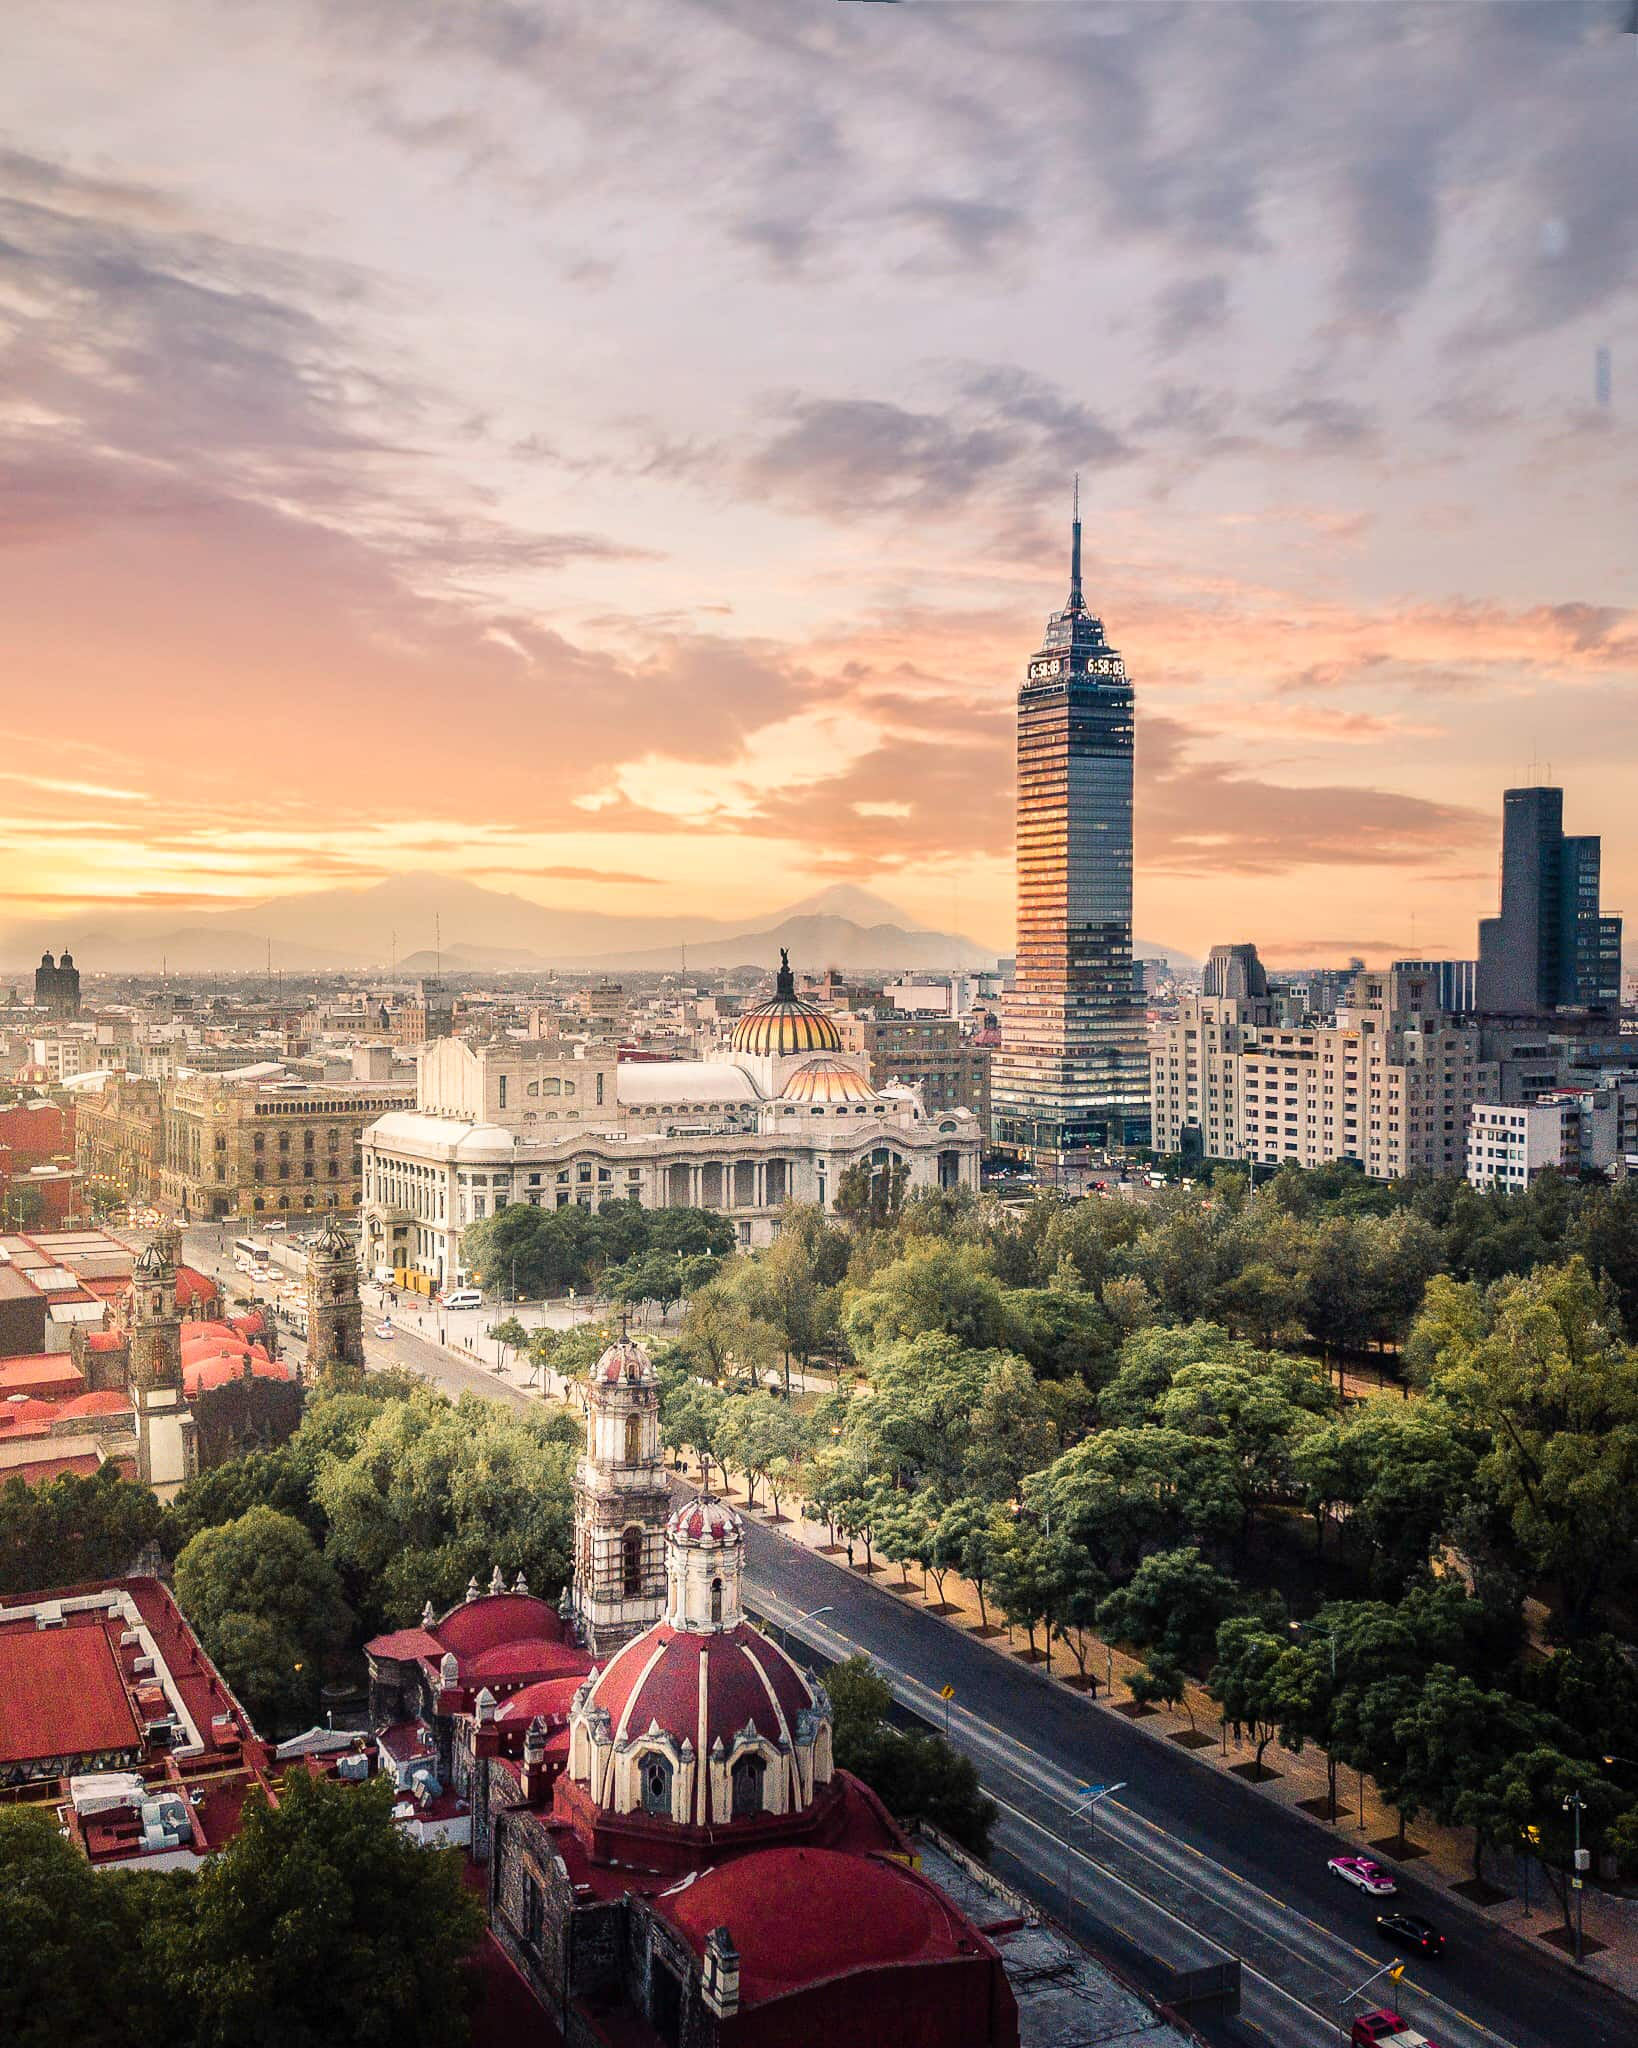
(264,1144)
(117,1135)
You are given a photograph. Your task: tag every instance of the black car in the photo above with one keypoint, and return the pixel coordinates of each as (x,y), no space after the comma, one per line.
(1410,1930)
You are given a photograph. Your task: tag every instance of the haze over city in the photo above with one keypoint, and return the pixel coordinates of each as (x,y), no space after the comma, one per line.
(622,456)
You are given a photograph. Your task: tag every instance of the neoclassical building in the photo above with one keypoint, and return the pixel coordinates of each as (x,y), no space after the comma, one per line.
(672,1854)
(780,1118)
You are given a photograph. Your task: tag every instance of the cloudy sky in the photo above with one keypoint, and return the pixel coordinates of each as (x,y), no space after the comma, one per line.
(621,452)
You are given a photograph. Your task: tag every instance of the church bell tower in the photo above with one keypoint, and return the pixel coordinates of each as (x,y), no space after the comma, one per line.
(335,1316)
(167,1439)
(621,1501)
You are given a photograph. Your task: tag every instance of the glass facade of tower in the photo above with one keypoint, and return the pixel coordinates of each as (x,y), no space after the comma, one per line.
(1551,948)
(1073,1071)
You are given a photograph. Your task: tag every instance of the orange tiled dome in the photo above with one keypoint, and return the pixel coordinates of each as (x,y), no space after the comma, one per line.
(826,1081)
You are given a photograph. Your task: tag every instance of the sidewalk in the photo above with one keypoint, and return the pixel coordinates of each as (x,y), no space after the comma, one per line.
(1442,1857)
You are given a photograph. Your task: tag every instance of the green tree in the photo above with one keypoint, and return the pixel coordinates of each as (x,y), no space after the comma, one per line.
(72,1528)
(1244,1680)
(917,1776)
(902,1532)
(1160,1681)
(966,1536)
(932,1287)
(323,1925)
(68,1941)
(510,1334)
(268,1608)
(1173,1603)
(1011,1432)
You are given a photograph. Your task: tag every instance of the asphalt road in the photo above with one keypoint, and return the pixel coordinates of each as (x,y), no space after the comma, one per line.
(1182,1865)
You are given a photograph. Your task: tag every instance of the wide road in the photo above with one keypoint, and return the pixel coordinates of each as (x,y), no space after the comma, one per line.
(1181,1866)
(1183,1863)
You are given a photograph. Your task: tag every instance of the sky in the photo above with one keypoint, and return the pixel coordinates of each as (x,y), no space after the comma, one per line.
(620,451)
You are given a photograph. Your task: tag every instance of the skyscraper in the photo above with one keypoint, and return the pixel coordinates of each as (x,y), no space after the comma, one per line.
(1550,949)
(1073,1068)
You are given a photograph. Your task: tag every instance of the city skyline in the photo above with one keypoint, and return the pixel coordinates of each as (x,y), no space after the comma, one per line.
(416,463)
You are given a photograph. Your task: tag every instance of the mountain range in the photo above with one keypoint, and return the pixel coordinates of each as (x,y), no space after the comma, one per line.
(420,921)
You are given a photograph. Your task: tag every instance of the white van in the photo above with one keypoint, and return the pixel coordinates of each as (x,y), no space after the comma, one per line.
(461,1297)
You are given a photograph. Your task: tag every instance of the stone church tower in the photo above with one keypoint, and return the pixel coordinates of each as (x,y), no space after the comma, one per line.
(167,1439)
(621,1501)
(335,1318)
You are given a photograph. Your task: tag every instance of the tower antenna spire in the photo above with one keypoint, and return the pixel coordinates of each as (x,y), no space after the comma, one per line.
(1077,603)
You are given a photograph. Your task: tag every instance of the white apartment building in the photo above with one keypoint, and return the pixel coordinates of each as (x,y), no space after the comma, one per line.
(1193,1057)
(1511,1144)
(1390,1082)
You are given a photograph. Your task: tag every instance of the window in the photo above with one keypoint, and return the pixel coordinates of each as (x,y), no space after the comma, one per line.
(716,1602)
(631,1546)
(532,1909)
(503,1091)
(634,1439)
(747,1783)
(655,1780)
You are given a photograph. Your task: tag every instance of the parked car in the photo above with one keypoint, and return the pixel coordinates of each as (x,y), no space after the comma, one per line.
(1360,1870)
(1410,1930)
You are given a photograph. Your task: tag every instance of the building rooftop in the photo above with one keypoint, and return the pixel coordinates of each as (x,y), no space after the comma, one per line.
(62,1692)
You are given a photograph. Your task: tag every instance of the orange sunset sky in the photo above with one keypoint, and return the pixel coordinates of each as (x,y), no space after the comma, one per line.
(620,452)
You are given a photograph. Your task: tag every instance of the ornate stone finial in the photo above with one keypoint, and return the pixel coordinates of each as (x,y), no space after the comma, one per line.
(449,1671)
(472,1587)
(520,1584)
(534,1741)
(784,980)
(427,1615)
(484,1706)
(496,1583)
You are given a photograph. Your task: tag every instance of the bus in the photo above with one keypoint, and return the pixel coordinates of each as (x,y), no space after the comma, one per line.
(252,1255)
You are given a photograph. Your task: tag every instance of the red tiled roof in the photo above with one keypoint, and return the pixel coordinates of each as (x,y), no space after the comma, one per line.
(107,1340)
(747,1679)
(200,1374)
(799,1916)
(550,1698)
(43,1469)
(404,1644)
(42,1374)
(61,1692)
(534,1659)
(192,1286)
(496,1618)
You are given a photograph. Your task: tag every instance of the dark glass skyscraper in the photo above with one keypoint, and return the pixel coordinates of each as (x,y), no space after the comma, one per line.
(1551,948)
(1073,1068)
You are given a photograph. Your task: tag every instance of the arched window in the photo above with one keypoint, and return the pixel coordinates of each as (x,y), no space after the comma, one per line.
(634,1439)
(655,1778)
(748,1776)
(716,1602)
(631,1562)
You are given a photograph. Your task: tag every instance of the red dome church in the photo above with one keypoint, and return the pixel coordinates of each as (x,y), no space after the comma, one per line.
(673,1857)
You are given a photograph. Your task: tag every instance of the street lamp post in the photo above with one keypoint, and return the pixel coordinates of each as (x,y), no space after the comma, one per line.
(1393,1970)
(1574,1804)
(1088,1808)
(785,1627)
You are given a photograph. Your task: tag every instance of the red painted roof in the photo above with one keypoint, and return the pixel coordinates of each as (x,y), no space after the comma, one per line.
(405,1644)
(799,1916)
(107,1340)
(742,1669)
(200,1374)
(52,1468)
(550,1698)
(496,1618)
(61,1692)
(192,1286)
(42,1374)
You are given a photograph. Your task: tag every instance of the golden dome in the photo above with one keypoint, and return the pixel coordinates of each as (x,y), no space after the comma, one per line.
(825,1081)
(786,1023)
